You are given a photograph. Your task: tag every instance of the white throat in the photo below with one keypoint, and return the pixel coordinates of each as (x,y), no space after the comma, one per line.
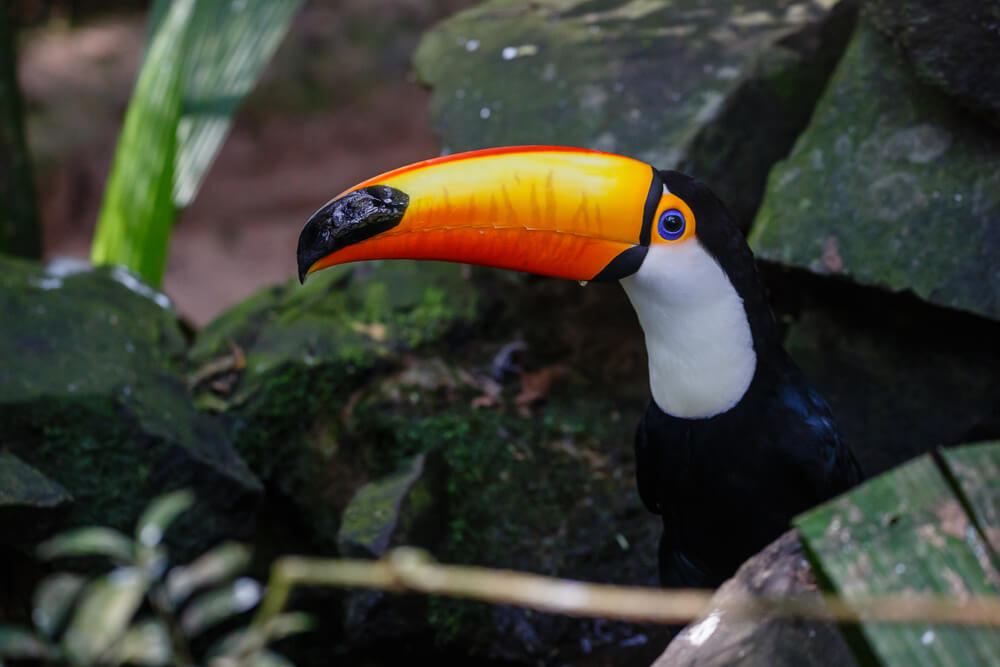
(701,355)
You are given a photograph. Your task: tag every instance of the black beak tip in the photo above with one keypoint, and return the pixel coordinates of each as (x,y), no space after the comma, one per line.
(358,215)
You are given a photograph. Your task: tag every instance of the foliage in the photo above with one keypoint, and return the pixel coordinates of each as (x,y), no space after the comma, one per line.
(203,58)
(144,612)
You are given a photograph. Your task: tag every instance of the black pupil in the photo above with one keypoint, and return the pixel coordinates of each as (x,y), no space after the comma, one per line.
(673,223)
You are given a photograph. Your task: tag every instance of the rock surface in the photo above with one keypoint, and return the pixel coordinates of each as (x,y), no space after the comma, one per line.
(891,186)
(721,638)
(92,395)
(952,46)
(678,84)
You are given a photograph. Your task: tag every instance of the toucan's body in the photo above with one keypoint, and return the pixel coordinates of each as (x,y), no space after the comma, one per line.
(734,442)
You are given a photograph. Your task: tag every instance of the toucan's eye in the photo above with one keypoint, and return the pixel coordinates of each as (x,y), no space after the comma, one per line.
(672,224)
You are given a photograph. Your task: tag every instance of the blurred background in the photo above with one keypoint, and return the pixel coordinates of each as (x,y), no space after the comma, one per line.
(337,103)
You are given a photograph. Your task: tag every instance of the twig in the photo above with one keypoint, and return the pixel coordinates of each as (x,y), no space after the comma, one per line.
(412,570)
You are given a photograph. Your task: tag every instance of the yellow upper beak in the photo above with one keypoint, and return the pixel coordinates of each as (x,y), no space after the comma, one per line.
(563,212)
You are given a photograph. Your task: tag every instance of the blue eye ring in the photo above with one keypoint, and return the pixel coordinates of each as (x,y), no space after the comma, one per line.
(672,224)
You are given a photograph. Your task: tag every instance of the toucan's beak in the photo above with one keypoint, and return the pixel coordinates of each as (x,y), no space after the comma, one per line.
(564,212)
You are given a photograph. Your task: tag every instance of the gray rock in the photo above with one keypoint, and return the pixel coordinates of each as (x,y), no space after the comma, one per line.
(92,394)
(952,46)
(722,638)
(683,84)
(890,186)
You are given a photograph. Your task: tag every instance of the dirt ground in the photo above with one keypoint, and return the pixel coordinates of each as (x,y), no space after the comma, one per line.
(333,108)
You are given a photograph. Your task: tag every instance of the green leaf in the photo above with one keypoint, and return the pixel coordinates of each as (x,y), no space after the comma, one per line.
(230,43)
(147,643)
(218,605)
(53,599)
(215,566)
(202,60)
(160,514)
(104,614)
(92,541)
(23,645)
(138,211)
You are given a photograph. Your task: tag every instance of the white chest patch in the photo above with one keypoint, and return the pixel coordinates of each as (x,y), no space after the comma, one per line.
(701,356)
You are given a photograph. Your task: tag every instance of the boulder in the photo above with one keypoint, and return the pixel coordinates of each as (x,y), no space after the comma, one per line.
(682,84)
(93,395)
(891,186)
(723,638)
(952,46)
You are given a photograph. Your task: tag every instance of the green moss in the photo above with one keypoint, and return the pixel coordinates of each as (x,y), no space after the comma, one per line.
(308,349)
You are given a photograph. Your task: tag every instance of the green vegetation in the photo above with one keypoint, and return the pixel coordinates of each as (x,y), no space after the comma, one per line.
(203,58)
(145,611)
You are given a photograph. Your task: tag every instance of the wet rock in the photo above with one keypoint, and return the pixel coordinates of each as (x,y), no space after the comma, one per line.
(676,84)
(891,186)
(92,394)
(30,502)
(721,638)
(952,46)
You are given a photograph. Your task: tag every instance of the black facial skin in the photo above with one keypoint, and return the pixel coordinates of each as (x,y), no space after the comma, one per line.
(356,216)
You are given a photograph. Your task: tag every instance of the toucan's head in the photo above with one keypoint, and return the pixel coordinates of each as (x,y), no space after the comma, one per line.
(583,215)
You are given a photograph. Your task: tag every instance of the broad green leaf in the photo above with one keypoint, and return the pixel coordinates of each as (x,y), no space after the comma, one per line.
(146,643)
(219,564)
(160,514)
(138,211)
(23,645)
(104,614)
(202,60)
(230,43)
(210,608)
(53,599)
(92,541)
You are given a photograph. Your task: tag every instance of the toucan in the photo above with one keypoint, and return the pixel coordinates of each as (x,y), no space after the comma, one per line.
(734,442)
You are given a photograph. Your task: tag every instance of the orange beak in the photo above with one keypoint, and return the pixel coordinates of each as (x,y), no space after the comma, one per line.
(563,212)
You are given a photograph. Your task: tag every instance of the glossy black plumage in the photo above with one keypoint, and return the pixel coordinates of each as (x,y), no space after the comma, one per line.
(728,484)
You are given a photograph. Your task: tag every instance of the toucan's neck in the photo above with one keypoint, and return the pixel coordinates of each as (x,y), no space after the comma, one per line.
(699,340)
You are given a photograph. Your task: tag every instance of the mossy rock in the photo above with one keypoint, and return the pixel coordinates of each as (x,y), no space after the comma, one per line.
(307,349)
(891,186)
(349,378)
(93,395)
(677,84)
